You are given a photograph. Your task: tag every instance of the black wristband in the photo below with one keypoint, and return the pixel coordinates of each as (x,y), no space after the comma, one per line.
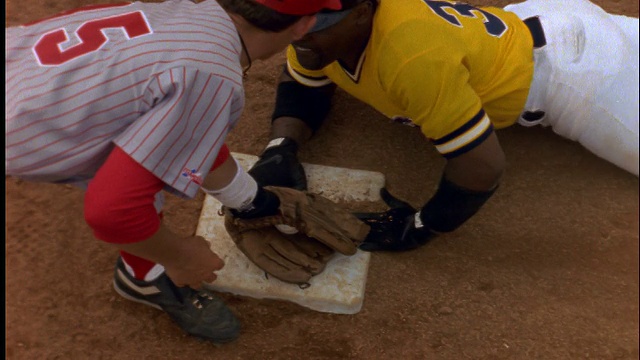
(451,206)
(309,104)
(264,204)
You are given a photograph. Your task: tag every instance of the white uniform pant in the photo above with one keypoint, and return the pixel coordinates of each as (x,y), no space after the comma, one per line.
(586,77)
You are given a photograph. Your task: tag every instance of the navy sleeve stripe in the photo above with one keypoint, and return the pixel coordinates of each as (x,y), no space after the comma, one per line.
(467,137)
(470,146)
(461,130)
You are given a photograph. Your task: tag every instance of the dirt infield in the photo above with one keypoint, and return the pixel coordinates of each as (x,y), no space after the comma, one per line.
(547,270)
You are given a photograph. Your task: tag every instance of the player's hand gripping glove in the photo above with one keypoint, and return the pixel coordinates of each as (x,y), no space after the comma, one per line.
(324,227)
(279,165)
(395,229)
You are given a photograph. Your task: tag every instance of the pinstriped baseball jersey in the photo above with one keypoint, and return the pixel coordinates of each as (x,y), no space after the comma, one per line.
(453,69)
(163,81)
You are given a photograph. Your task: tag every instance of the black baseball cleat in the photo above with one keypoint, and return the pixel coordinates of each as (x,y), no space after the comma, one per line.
(199,313)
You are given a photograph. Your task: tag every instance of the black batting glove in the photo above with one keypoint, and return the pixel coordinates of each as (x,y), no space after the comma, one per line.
(395,229)
(264,204)
(279,166)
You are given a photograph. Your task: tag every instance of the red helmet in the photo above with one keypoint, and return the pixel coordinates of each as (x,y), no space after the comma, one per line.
(300,7)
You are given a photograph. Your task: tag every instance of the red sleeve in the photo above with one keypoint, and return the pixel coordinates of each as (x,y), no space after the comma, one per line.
(118,204)
(223,155)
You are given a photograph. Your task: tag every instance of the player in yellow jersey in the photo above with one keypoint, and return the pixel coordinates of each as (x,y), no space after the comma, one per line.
(459,72)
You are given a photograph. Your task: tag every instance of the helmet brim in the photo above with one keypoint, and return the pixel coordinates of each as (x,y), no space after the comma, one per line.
(301,7)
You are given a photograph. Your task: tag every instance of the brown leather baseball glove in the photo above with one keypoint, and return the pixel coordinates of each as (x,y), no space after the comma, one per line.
(323,227)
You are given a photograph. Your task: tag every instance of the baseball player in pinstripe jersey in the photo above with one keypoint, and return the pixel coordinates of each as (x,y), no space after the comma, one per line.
(459,72)
(131,99)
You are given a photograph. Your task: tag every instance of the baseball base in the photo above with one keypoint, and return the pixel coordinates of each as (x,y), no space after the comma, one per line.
(339,289)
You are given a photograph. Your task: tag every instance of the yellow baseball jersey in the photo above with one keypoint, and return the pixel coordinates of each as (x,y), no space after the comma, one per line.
(455,70)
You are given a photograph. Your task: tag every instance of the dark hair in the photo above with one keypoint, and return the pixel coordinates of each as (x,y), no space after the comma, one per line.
(259,15)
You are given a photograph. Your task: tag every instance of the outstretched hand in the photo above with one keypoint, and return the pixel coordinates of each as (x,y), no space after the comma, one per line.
(195,264)
(279,166)
(394,229)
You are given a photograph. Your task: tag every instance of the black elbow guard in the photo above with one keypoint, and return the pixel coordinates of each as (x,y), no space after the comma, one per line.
(309,104)
(452,205)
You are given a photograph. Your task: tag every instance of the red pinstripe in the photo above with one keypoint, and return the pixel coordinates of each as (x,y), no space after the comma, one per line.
(205,112)
(203,136)
(224,47)
(193,18)
(70,24)
(230,50)
(160,86)
(47,161)
(76,95)
(137,131)
(50,69)
(17,82)
(197,15)
(184,58)
(70,111)
(19,48)
(232,31)
(118,77)
(209,128)
(233,50)
(211,149)
(175,123)
(195,105)
(212,44)
(87,8)
(224,131)
(76,135)
(35,87)
(69,126)
(176,101)
(39,75)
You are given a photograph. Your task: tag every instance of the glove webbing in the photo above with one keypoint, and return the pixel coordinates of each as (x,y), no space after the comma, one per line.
(322,232)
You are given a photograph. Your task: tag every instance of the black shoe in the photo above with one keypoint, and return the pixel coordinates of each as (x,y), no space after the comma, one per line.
(199,313)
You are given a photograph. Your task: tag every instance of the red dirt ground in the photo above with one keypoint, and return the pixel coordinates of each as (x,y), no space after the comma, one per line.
(547,270)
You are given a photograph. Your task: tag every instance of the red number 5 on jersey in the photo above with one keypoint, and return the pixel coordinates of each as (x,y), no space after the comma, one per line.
(48,52)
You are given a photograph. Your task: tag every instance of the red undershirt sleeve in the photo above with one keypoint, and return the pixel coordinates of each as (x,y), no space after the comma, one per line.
(223,155)
(119,202)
